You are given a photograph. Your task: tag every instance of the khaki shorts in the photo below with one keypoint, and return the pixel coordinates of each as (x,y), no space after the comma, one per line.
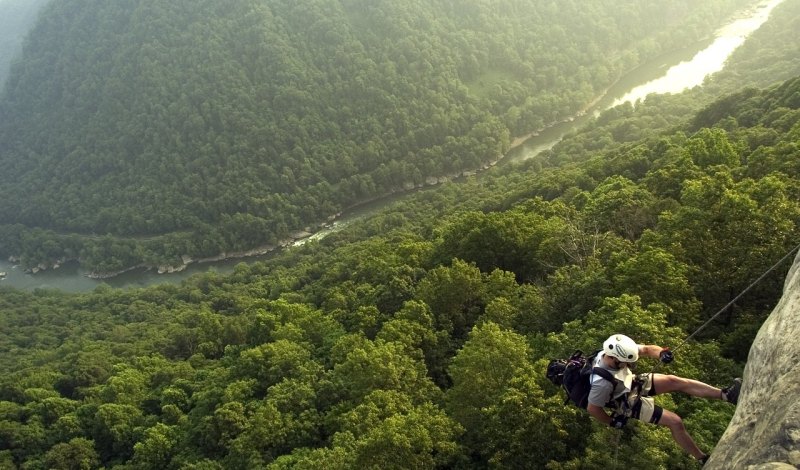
(644,408)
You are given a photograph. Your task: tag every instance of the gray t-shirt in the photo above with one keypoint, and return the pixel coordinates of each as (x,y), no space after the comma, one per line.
(601,391)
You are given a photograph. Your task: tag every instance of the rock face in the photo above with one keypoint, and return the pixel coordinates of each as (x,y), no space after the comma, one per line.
(765,430)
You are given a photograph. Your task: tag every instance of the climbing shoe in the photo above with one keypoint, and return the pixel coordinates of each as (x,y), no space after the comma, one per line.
(703,459)
(731,393)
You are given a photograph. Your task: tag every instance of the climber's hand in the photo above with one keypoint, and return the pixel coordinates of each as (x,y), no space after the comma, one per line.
(666,356)
(618,421)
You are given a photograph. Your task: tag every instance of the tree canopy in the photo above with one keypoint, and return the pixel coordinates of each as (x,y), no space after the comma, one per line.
(142,132)
(401,343)
(419,337)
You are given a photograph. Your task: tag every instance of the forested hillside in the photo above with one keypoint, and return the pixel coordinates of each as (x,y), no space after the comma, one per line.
(419,337)
(420,341)
(139,132)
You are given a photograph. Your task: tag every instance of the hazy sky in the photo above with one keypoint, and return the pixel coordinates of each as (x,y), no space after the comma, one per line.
(16,18)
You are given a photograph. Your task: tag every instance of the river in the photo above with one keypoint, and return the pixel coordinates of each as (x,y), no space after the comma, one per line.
(671,73)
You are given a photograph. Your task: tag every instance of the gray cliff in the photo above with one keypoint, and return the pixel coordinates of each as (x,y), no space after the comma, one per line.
(764,433)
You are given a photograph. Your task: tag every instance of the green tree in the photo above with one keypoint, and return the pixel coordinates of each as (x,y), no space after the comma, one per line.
(481,372)
(711,146)
(77,454)
(657,276)
(115,429)
(525,418)
(570,292)
(272,362)
(707,232)
(454,295)
(423,437)
(621,206)
(377,365)
(157,447)
(412,326)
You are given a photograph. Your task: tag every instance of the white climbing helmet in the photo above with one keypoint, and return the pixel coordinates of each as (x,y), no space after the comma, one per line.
(621,347)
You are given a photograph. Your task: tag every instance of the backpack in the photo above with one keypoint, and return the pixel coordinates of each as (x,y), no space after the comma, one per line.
(575,375)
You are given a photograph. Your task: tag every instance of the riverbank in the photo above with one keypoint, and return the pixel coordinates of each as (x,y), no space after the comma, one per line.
(187,261)
(522,147)
(297,238)
(322,227)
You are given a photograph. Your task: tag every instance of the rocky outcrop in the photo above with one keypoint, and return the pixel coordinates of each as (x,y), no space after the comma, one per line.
(765,430)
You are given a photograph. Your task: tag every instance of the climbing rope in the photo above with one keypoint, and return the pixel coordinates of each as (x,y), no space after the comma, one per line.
(701,327)
(713,317)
